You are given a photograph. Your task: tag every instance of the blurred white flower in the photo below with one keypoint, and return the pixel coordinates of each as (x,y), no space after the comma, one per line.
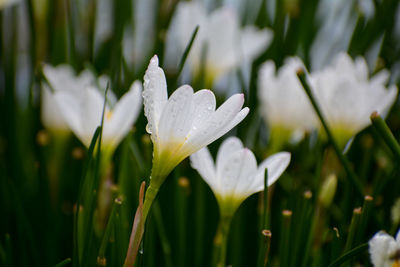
(226,45)
(385,250)
(347,97)
(184,123)
(5,3)
(283,102)
(235,176)
(80,104)
(60,78)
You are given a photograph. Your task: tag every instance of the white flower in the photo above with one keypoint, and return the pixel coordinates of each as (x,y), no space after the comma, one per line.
(5,3)
(226,45)
(283,102)
(235,176)
(81,105)
(60,78)
(185,122)
(384,250)
(347,97)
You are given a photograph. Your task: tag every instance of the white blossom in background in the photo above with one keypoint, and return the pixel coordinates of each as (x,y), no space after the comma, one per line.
(60,78)
(347,96)
(283,102)
(79,102)
(384,250)
(226,44)
(235,175)
(185,122)
(5,3)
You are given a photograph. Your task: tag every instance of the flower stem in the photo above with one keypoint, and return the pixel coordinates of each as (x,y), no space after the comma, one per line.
(350,172)
(139,223)
(221,241)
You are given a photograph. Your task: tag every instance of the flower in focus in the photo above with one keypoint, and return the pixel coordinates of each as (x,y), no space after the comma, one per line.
(225,44)
(347,97)
(385,250)
(284,104)
(80,103)
(235,176)
(184,123)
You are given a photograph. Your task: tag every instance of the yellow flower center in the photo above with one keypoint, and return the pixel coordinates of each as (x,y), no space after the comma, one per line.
(396,263)
(108,114)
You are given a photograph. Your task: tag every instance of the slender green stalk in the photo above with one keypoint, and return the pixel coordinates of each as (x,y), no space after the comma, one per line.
(285,238)
(64,262)
(367,206)
(350,172)
(354,226)
(187,51)
(349,255)
(165,245)
(101,259)
(138,225)
(263,244)
(221,242)
(386,134)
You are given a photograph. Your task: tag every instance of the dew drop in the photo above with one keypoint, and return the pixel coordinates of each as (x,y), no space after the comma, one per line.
(148,128)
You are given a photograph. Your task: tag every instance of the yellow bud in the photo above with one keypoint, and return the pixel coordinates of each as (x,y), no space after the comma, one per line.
(328,190)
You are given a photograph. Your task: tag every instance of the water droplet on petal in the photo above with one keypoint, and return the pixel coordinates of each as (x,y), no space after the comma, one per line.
(148,128)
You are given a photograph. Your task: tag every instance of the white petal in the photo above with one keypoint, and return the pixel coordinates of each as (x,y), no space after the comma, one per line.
(204,106)
(247,175)
(254,41)
(51,116)
(60,78)
(177,116)
(155,95)
(123,115)
(219,123)
(380,248)
(203,163)
(227,148)
(276,165)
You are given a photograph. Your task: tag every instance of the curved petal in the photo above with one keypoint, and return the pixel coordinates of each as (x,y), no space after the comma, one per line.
(52,117)
(177,116)
(379,248)
(219,123)
(155,95)
(124,114)
(276,165)
(203,163)
(227,148)
(204,105)
(246,175)
(254,41)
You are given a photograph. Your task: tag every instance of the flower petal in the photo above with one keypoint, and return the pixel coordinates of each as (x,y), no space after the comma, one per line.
(203,163)
(177,116)
(227,148)
(124,114)
(380,247)
(219,123)
(276,165)
(155,95)
(204,105)
(254,41)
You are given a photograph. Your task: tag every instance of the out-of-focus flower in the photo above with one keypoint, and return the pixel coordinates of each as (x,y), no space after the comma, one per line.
(60,78)
(5,3)
(384,250)
(184,123)
(225,44)
(235,176)
(80,104)
(347,97)
(328,190)
(284,104)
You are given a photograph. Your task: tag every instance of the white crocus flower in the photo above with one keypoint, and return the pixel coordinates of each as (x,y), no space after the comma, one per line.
(347,97)
(60,78)
(184,123)
(385,250)
(283,102)
(226,45)
(235,176)
(80,104)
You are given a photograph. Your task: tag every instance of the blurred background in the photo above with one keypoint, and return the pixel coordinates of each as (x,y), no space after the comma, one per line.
(41,168)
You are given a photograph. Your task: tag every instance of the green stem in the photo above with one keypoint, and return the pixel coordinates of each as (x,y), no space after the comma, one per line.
(221,242)
(137,233)
(386,134)
(350,172)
